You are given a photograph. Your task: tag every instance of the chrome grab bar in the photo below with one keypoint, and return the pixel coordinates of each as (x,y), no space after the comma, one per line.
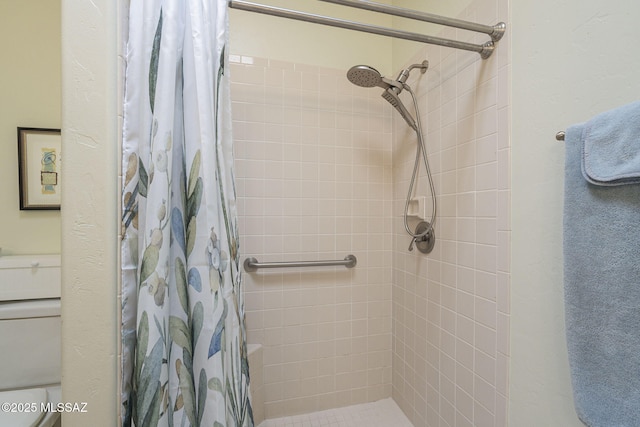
(252,264)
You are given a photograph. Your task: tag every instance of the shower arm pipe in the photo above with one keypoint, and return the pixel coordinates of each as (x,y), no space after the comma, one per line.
(485,50)
(496,31)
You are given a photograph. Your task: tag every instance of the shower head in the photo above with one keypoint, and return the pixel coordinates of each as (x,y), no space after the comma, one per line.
(365,76)
(392,98)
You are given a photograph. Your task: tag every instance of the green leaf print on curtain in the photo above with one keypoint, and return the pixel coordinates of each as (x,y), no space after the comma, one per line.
(184,359)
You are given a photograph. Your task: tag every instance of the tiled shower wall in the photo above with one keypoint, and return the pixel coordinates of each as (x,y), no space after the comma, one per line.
(313,169)
(451,308)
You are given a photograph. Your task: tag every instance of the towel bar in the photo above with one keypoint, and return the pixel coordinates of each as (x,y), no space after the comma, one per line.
(252,264)
(560,136)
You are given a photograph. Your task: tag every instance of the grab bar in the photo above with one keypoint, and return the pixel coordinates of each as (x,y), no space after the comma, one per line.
(252,264)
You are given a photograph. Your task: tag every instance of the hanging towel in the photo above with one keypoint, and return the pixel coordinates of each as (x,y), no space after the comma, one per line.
(611,150)
(602,270)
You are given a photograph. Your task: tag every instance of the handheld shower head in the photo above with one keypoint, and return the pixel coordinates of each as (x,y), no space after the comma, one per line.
(366,76)
(392,98)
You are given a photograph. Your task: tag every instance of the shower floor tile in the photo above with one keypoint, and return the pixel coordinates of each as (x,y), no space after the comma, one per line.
(383,413)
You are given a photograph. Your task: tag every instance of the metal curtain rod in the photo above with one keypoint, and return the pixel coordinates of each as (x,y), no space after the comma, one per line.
(252,264)
(496,32)
(485,50)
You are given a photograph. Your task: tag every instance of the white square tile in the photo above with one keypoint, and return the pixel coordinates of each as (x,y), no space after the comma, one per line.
(318,163)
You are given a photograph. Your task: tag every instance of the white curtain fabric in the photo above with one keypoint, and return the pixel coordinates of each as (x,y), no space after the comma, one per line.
(184,359)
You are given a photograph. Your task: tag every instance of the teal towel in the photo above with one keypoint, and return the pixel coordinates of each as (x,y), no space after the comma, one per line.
(611,152)
(602,289)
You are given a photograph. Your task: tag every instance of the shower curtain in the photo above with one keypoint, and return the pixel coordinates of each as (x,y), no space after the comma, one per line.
(184,358)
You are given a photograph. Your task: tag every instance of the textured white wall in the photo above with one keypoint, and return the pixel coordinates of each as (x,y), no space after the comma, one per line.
(571,61)
(90,133)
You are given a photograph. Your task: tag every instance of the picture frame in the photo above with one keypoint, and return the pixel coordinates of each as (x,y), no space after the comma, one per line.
(39,165)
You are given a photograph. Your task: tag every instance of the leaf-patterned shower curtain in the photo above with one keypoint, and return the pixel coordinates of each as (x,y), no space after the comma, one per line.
(184,359)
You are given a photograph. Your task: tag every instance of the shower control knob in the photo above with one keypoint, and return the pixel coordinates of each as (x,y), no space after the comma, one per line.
(417,240)
(426,242)
(413,241)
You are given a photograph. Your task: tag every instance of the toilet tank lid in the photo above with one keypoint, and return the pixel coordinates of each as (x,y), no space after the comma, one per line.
(29,261)
(30,308)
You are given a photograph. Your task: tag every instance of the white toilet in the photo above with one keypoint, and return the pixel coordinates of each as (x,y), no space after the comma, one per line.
(30,340)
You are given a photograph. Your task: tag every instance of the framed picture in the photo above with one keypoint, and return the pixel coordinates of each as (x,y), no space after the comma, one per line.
(39,164)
